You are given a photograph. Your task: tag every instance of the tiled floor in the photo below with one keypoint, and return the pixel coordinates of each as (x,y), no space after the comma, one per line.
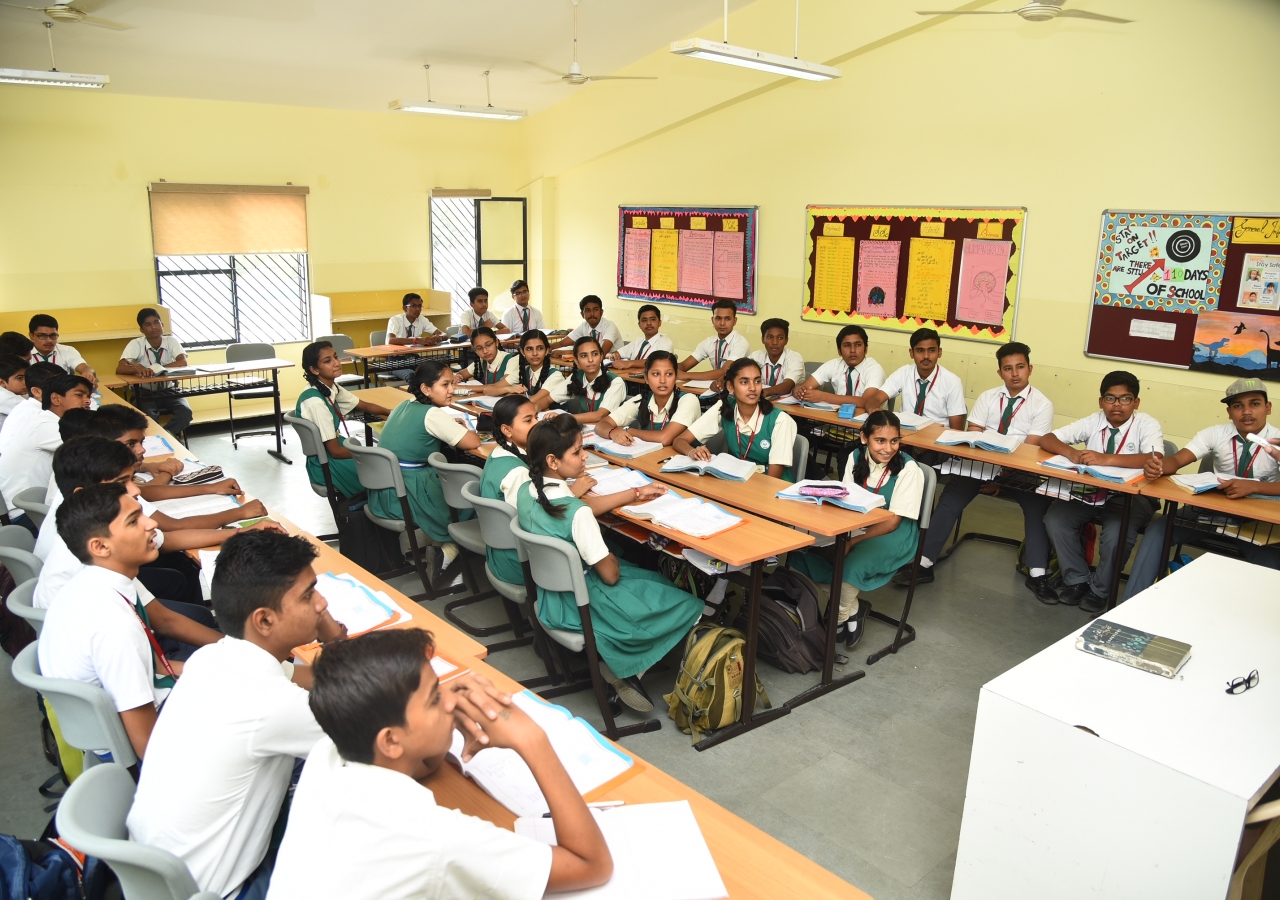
(868,781)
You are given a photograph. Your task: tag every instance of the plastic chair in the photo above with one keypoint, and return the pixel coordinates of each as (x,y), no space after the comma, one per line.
(799,457)
(17,537)
(906,633)
(313,446)
(92,818)
(246,353)
(22,564)
(342,343)
(377,338)
(88,717)
(556,566)
(453,331)
(19,603)
(31,501)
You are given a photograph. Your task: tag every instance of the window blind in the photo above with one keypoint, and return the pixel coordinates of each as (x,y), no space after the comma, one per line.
(203,219)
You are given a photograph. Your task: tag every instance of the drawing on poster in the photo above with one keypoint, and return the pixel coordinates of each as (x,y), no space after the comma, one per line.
(636,258)
(929,278)
(727,269)
(984,269)
(878,278)
(1260,282)
(1237,344)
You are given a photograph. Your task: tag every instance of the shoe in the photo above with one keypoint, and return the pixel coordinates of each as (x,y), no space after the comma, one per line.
(853,627)
(614,701)
(1039,585)
(1092,603)
(632,693)
(1072,594)
(903,576)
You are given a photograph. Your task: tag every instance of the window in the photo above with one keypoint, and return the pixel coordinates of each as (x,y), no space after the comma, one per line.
(477,241)
(453,248)
(243,298)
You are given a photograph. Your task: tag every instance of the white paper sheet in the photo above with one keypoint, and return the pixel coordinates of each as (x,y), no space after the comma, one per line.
(199,505)
(154,445)
(353,604)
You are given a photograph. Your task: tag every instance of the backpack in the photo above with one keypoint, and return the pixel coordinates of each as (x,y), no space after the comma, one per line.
(792,634)
(708,690)
(364,543)
(42,870)
(15,633)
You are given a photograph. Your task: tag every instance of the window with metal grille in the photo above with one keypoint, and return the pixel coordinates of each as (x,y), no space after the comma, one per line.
(453,249)
(246,298)
(477,241)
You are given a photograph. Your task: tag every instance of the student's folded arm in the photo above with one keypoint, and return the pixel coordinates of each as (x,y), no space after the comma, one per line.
(181,361)
(1032,439)
(178,627)
(667,436)
(193,538)
(874,398)
(542,400)
(152,491)
(778,390)
(468,441)
(1173,463)
(605,425)
(974,426)
(138,723)
(1051,443)
(334,448)
(605,346)
(608,568)
(688,363)
(956,422)
(776,470)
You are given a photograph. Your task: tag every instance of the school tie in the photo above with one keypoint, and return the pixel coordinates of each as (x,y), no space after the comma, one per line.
(1007,416)
(719,353)
(159,353)
(1111,440)
(640,354)
(595,335)
(775,369)
(924,392)
(1244,459)
(524,317)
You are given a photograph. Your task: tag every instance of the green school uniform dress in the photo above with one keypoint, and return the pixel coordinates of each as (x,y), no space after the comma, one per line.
(486,374)
(576,405)
(312,405)
(754,448)
(636,621)
(505,564)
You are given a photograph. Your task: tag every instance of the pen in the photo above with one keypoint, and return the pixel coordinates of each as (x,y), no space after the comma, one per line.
(599,804)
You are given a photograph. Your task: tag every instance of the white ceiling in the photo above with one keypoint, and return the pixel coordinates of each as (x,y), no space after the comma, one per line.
(353,55)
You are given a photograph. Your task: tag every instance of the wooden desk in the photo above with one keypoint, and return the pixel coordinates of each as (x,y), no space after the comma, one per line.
(388,397)
(154,429)
(391,357)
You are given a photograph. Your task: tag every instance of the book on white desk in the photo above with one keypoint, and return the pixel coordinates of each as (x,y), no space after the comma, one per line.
(155,445)
(908,421)
(197,505)
(1114,474)
(989,439)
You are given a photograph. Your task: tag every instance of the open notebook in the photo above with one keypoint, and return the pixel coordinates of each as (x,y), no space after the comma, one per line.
(856,498)
(197,505)
(154,445)
(982,440)
(356,606)
(611,481)
(1114,474)
(722,465)
(636,448)
(688,515)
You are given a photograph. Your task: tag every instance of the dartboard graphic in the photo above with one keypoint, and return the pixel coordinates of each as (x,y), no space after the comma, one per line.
(1183,245)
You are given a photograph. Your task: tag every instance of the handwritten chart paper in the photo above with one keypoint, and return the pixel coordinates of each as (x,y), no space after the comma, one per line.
(727,273)
(984,269)
(929,278)
(833,273)
(878,277)
(664,256)
(696,253)
(636,258)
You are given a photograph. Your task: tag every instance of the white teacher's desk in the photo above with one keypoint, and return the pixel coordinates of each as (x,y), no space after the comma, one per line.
(1093,779)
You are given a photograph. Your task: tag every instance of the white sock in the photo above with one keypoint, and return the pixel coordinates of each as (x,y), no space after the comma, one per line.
(450,551)
(926,562)
(849,602)
(1036,573)
(715,597)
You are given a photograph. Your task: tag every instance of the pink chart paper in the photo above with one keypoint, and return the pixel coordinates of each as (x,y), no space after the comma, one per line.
(878,278)
(636,258)
(696,251)
(984,270)
(728,264)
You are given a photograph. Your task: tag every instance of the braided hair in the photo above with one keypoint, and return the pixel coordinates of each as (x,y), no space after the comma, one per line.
(726,396)
(646,394)
(881,418)
(544,373)
(504,413)
(555,436)
(311,360)
(426,375)
(577,384)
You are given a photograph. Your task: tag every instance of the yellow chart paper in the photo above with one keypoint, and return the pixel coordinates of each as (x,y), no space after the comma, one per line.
(729,225)
(833,274)
(933,229)
(879,232)
(833,229)
(639,221)
(991,231)
(697,223)
(929,278)
(664,261)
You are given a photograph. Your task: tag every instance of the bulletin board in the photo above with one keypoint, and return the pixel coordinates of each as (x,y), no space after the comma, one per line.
(903,268)
(688,255)
(1194,291)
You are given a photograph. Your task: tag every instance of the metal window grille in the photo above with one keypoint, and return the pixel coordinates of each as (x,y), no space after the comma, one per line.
(453,249)
(223,299)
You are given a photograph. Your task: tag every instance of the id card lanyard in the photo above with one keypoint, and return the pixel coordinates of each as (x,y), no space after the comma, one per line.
(155,645)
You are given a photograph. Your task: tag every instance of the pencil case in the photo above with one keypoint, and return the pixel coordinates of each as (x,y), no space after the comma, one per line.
(815,491)
(847,411)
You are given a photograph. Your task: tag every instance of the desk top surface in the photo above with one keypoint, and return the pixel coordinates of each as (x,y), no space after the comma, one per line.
(404,349)
(1215,501)
(228,369)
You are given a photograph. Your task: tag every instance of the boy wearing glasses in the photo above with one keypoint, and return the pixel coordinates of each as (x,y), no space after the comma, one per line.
(43,331)
(522,317)
(1116,435)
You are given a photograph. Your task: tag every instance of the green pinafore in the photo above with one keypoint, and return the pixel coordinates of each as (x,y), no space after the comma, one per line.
(487,374)
(406,436)
(576,405)
(341,471)
(754,448)
(505,564)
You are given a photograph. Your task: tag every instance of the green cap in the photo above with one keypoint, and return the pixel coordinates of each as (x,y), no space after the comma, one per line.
(1244,386)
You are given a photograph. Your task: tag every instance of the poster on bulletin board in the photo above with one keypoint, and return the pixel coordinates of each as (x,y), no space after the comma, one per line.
(688,255)
(903,268)
(1191,290)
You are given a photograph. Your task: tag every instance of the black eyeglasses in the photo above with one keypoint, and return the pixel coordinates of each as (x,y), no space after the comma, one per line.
(1240,685)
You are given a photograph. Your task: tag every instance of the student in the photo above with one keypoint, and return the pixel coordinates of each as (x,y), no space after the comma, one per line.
(13,384)
(1015,409)
(413,433)
(498,376)
(411,328)
(1116,435)
(521,316)
(593,393)
(927,389)
(633,355)
(506,469)
(14,344)
(325,404)
(543,383)
(222,754)
(145,356)
(98,630)
(753,428)
(18,422)
(362,821)
(28,461)
(478,315)
(660,413)
(723,347)
(878,465)
(782,369)
(850,374)
(43,331)
(593,325)
(1243,467)
(637,615)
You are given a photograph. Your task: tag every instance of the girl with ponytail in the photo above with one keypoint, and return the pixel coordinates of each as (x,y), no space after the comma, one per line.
(413,432)
(498,374)
(506,470)
(593,393)
(660,413)
(879,466)
(751,427)
(543,382)
(325,403)
(637,615)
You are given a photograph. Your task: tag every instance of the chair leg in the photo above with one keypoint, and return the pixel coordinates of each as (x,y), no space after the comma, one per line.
(231,417)
(597,682)
(419,564)
(906,633)
(474,596)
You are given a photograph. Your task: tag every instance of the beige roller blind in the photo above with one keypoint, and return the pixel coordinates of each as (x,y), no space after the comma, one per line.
(198,219)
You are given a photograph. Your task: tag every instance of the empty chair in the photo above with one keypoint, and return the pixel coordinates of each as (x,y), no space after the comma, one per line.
(17,537)
(19,603)
(906,633)
(23,565)
(31,501)
(237,353)
(91,818)
(377,338)
(453,331)
(342,343)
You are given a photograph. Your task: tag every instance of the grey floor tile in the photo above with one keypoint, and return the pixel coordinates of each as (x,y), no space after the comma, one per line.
(937,884)
(25,768)
(915,756)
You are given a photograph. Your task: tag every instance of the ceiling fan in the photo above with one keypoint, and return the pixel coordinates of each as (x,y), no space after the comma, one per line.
(575,76)
(1035,11)
(67,14)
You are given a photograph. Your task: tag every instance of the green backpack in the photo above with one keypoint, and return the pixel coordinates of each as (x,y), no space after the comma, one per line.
(708,690)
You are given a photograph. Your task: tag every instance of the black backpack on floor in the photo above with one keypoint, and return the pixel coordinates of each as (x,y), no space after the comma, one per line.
(364,543)
(792,633)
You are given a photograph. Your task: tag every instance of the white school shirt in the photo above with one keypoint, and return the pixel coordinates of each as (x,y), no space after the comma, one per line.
(1227,446)
(682,408)
(907,491)
(1032,415)
(791,365)
(512,480)
(515,317)
(722,351)
(219,762)
(846,381)
(442,426)
(614,395)
(92,634)
(1140,434)
(471,320)
(139,350)
(509,370)
(400,326)
(15,423)
(317,411)
(61,565)
(361,831)
(605,331)
(28,462)
(945,397)
(642,346)
(8,402)
(781,449)
(556,385)
(586,530)
(63,355)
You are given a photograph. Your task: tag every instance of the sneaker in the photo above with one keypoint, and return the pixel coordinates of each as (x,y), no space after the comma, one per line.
(1039,585)
(903,576)
(1072,594)
(632,693)
(1092,603)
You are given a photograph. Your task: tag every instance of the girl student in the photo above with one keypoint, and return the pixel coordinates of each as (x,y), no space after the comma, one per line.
(638,616)
(326,404)
(660,413)
(498,376)
(545,385)
(879,465)
(593,393)
(413,434)
(753,428)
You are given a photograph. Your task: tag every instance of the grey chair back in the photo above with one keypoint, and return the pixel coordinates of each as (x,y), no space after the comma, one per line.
(496,518)
(248,352)
(926,495)
(453,478)
(309,437)
(1170,448)
(31,501)
(377,338)
(19,603)
(22,564)
(378,469)
(91,817)
(88,717)
(810,367)
(555,564)
(453,331)
(16,536)
(799,457)
(341,342)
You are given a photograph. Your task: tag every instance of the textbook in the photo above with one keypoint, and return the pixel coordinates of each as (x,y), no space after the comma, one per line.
(1198,483)
(593,764)
(154,445)
(697,385)
(688,515)
(355,606)
(820,404)
(1139,649)
(982,440)
(856,498)
(1113,474)
(722,465)
(611,481)
(198,505)
(1260,534)
(636,448)
(484,402)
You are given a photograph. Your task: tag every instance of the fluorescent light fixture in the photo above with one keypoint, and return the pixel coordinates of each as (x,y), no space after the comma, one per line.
(53,78)
(454,109)
(699,48)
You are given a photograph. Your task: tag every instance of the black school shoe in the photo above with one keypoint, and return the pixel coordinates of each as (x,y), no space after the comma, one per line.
(1039,585)
(632,693)
(902,578)
(1072,594)
(1092,603)
(852,629)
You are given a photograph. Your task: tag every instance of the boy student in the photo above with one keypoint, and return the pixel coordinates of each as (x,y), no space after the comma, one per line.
(17,423)
(28,462)
(411,328)
(850,374)
(43,331)
(151,354)
(782,369)
(1242,466)
(723,347)
(222,754)
(13,384)
(927,389)
(1017,409)
(522,317)
(478,315)
(1116,435)
(16,344)
(634,354)
(594,325)
(362,821)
